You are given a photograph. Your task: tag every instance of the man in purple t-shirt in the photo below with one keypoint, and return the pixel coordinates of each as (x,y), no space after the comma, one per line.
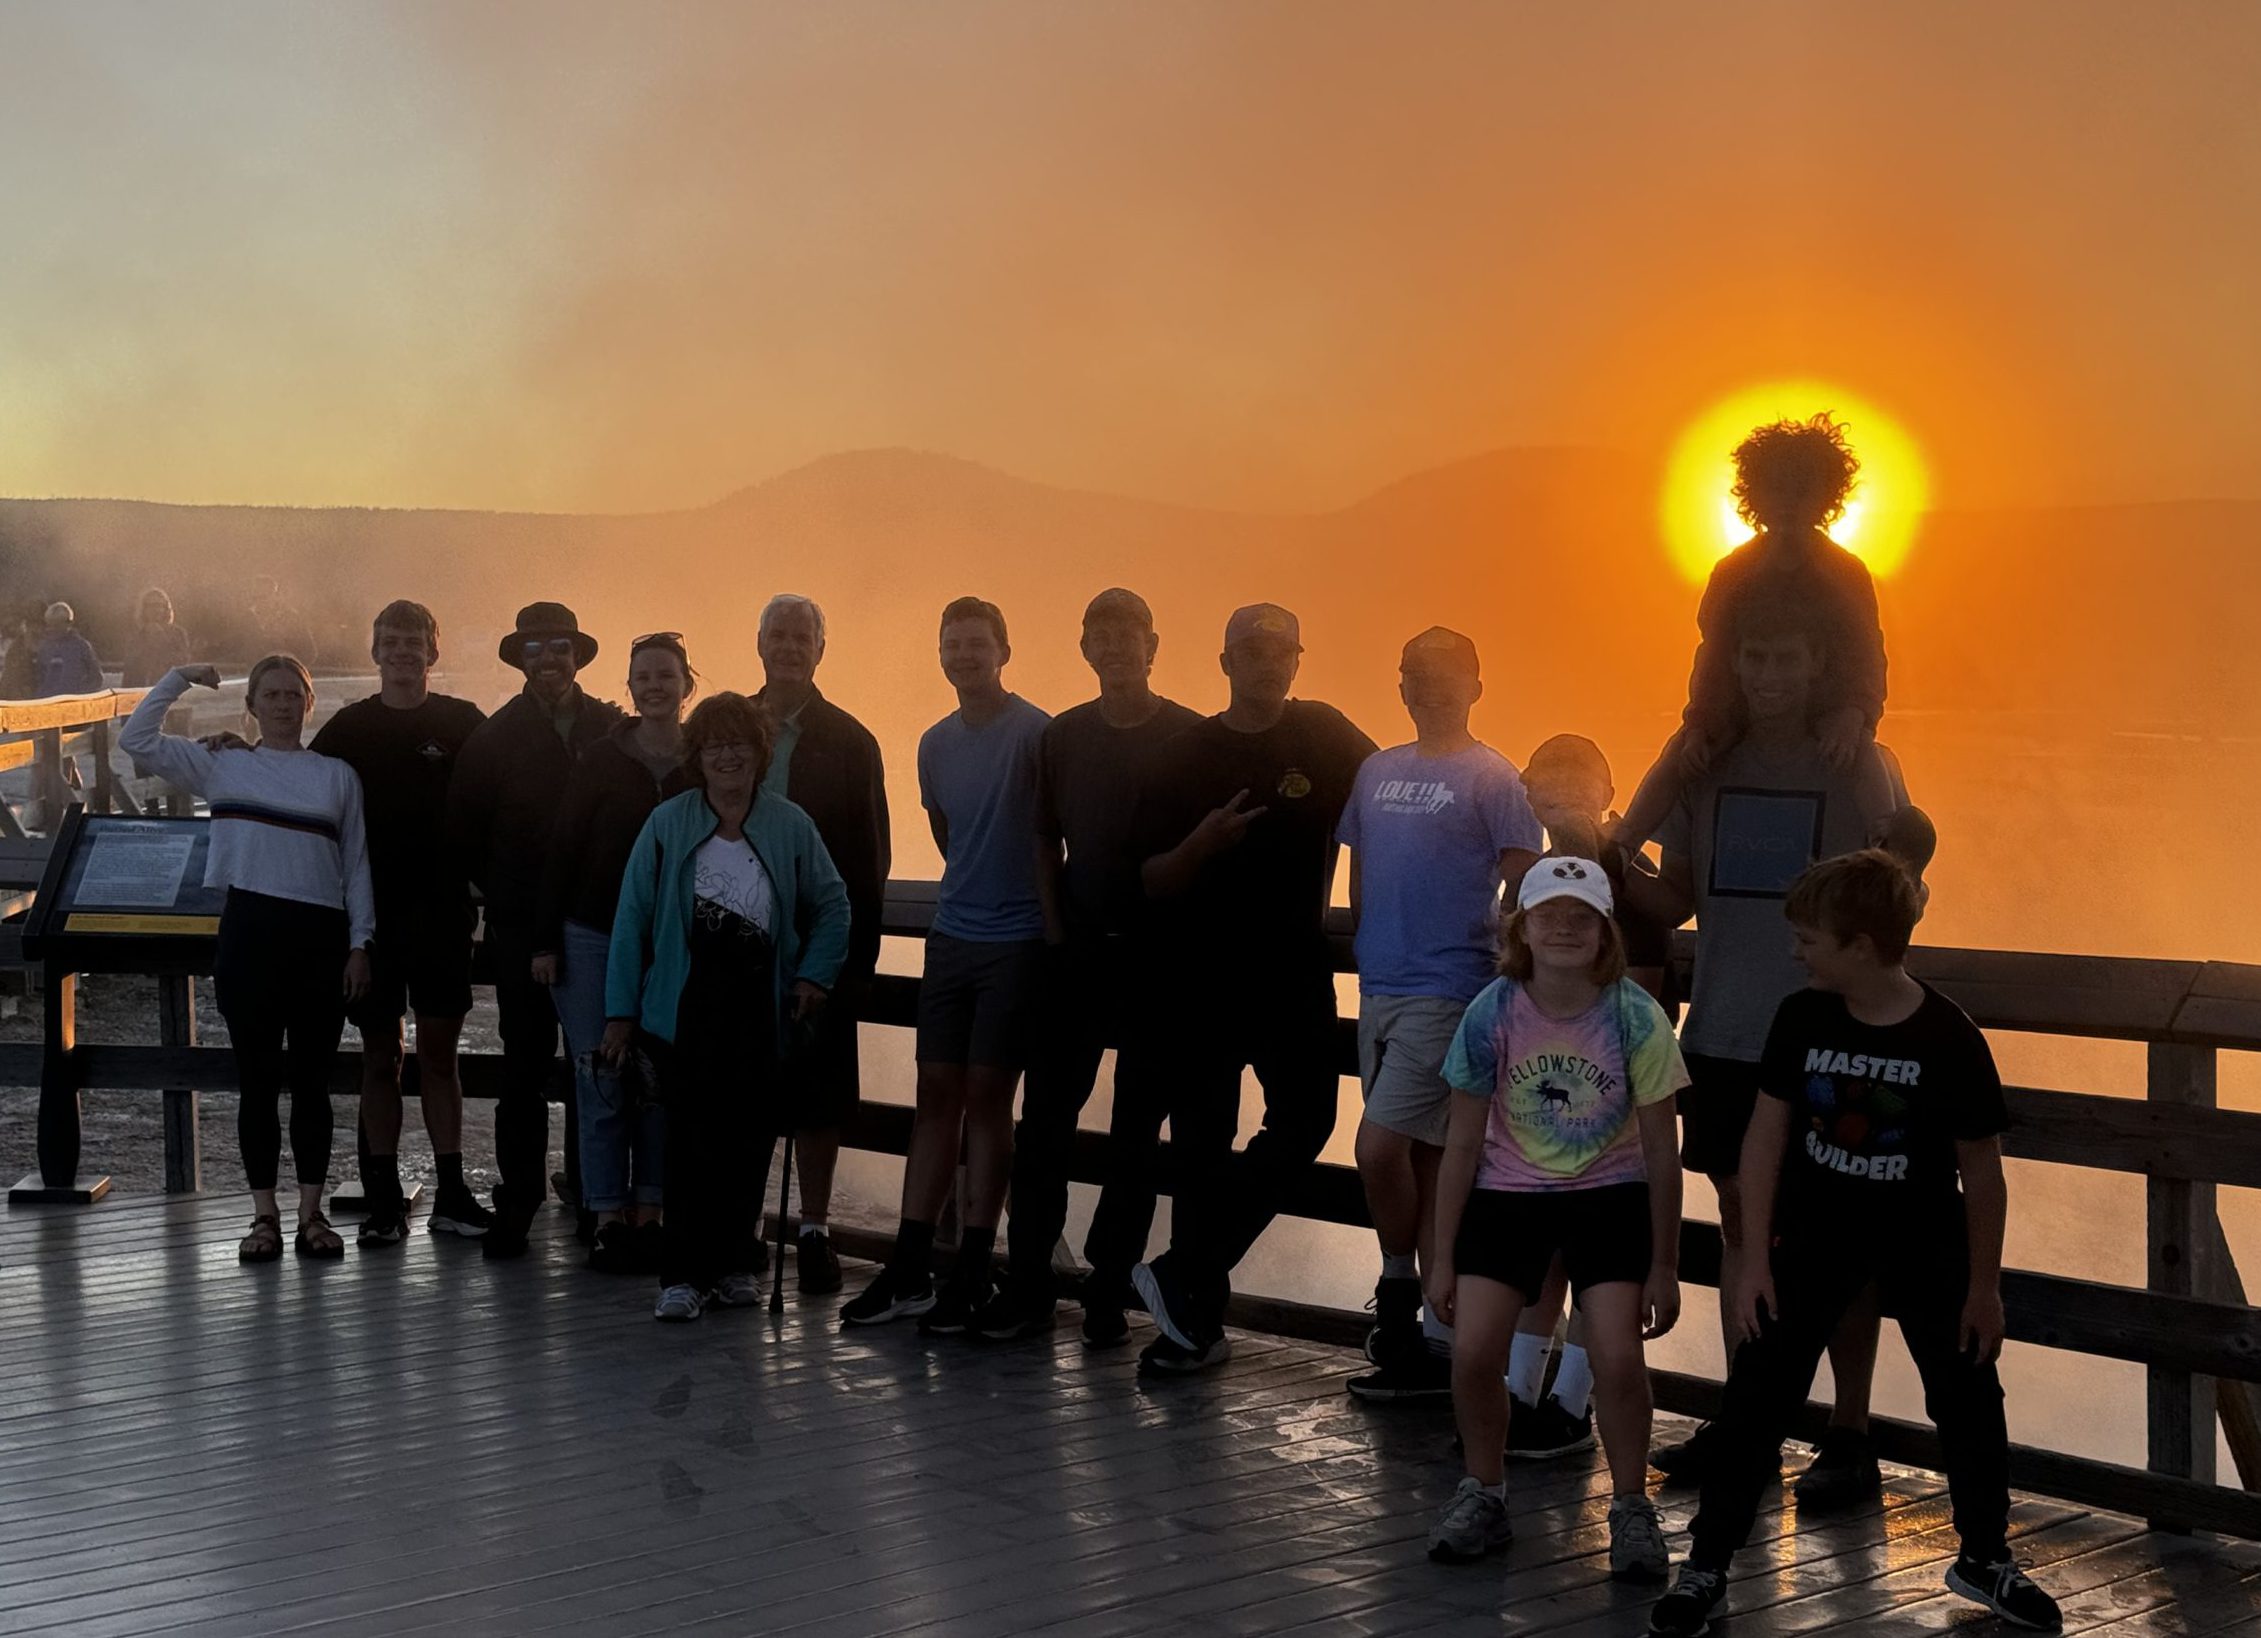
(1433,828)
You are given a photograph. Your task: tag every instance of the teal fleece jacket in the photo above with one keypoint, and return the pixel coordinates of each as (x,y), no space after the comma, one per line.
(651,934)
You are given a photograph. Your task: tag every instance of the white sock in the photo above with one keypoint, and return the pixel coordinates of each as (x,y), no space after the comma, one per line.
(1527,1366)
(813,1225)
(1400,1267)
(1574,1380)
(1438,1333)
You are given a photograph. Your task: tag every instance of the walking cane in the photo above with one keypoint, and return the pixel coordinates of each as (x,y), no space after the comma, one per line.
(784,1183)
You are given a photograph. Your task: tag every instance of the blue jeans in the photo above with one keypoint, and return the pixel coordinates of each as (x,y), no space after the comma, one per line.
(615,1137)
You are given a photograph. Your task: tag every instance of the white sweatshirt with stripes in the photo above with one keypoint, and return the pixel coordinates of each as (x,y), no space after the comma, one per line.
(284,823)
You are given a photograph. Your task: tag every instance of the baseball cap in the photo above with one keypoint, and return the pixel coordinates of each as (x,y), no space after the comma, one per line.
(1262,620)
(1443,647)
(1117,604)
(1566,878)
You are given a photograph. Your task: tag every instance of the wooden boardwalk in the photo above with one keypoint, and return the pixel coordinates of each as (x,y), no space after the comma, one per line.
(417,1442)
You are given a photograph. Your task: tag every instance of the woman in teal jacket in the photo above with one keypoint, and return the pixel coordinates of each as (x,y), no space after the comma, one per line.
(731,930)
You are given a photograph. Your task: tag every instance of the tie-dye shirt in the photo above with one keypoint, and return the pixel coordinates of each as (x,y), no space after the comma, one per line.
(1564,1090)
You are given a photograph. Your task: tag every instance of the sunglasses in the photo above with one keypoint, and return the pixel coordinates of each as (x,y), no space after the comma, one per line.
(535,647)
(674,638)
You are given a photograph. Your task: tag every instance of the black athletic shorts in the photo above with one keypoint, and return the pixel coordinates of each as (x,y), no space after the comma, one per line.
(1512,1235)
(420,961)
(1715,1112)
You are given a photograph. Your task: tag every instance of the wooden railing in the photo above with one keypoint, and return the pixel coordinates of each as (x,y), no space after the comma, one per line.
(2189,1324)
(35,733)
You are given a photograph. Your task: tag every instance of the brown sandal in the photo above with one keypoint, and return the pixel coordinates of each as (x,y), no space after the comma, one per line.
(264,1243)
(317,1239)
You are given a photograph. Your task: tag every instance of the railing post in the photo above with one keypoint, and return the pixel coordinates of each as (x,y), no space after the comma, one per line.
(176,1027)
(103,798)
(2180,1226)
(49,794)
(57,1182)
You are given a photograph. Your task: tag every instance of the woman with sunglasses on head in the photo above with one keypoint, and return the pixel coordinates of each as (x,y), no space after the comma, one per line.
(614,788)
(730,932)
(288,844)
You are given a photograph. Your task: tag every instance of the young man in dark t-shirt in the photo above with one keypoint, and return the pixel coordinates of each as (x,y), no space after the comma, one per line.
(1239,838)
(403,741)
(1874,1155)
(1092,764)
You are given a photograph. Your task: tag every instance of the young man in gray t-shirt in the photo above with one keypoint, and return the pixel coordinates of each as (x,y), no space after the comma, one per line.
(1738,836)
(977,782)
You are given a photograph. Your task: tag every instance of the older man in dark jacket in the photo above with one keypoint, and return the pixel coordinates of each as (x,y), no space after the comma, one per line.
(509,782)
(827,764)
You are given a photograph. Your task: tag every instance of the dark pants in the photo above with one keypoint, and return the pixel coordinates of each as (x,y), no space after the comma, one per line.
(1817,1275)
(719,1134)
(279,979)
(1277,1018)
(527,1018)
(1089,1002)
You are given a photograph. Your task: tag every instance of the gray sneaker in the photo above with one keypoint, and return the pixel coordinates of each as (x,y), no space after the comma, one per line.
(1636,1541)
(1474,1524)
(739,1291)
(677,1302)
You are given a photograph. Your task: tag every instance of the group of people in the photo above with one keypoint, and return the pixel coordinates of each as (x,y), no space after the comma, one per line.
(693,895)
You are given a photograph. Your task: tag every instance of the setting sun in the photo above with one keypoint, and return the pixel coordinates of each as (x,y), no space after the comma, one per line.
(1698,511)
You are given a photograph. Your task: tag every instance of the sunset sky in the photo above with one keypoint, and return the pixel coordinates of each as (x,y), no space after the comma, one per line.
(1252,255)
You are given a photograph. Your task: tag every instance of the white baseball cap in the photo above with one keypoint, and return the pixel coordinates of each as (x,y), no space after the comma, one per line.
(1566,878)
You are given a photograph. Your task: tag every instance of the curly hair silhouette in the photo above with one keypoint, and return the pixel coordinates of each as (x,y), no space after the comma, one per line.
(1795,474)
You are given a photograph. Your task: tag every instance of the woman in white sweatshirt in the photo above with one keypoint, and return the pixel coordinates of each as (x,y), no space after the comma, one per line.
(288,845)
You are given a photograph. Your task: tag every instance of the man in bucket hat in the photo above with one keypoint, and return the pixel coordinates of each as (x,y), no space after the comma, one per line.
(501,804)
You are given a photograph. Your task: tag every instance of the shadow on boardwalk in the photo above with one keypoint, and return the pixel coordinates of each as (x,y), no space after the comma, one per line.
(414,1441)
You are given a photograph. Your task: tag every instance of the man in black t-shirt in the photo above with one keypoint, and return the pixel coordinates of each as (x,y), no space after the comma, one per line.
(403,742)
(1239,837)
(1092,766)
(1874,1155)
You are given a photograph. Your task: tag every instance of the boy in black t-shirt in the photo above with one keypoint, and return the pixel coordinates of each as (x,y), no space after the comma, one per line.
(1874,1154)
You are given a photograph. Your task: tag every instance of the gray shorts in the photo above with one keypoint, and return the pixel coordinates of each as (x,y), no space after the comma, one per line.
(1402,1042)
(977,1002)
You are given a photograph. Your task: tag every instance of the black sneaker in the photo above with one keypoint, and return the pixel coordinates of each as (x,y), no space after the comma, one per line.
(952,1313)
(506,1240)
(1541,1432)
(2004,1588)
(1019,1309)
(1396,1330)
(891,1296)
(1165,1357)
(816,1265)
(386,1225)
(1105,1325)
(651,1247)
(1686,1611)
(458,1212)
(615,1250)
(1691,1460)
(1418,1374)
(1843,1473)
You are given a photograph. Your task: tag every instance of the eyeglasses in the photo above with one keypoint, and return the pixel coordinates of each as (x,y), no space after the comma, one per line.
(649,637)
(735,750)
(535,647)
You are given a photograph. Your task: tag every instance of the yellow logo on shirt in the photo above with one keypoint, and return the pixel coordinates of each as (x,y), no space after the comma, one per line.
(1295,784)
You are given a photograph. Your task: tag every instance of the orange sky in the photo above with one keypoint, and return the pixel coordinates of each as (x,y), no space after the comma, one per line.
(1260,255)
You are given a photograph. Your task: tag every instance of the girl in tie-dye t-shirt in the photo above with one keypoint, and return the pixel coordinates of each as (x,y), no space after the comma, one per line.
(1563,1143)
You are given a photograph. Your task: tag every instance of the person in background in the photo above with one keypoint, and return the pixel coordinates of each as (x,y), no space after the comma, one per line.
(977,782)
(1092,765)
(1792,480)
(66,659)
(1433,828)
(277,624)
(730,932)
(158,644)
(1562,1147)
(1239,844)
(1739,836)
(289,845)
(509,784)
(828,765)
(404,741)
(19,668)
(611,792)
(1874,1155)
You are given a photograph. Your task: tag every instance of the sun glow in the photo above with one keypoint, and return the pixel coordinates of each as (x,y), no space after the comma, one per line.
(1697,509)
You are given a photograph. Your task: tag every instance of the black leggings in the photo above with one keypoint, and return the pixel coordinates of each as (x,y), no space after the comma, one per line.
(279,977)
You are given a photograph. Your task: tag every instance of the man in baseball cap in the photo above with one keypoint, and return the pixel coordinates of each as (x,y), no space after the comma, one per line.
(1238,838)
